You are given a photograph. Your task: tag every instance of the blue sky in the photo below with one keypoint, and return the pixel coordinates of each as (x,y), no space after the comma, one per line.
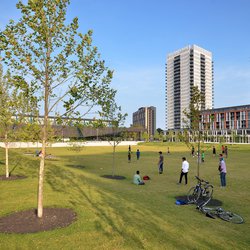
(135,36)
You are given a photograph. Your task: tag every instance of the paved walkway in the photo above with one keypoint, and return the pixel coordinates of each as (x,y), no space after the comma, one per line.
(67,144)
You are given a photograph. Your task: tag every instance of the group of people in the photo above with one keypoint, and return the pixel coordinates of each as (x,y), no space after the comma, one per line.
(185,168)
(138,153)
(201,157)
(224,150)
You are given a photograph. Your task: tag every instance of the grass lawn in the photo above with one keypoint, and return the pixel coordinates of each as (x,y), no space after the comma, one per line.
(116,214)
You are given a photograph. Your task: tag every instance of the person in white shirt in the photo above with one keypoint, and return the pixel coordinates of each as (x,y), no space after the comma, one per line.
(184,170)
(137,179)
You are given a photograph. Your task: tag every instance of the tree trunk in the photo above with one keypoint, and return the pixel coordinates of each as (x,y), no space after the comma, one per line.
(113,167)
(40,182)
(42,161)
(45,130)
(7,173)
(199,155)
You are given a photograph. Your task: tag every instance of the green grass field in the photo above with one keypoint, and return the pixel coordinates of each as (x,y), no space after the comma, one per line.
(116,214)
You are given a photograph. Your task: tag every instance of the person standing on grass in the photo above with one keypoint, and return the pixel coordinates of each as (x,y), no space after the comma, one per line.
(214,151)
(138,153)
(225,151)
(129,156)
(160,162)
(222,149)
(192,151)
(203,156)
(184,170)
(223,171)
(168,151)
(137,179)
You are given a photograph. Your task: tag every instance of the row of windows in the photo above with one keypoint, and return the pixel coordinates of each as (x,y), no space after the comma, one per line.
(229,116)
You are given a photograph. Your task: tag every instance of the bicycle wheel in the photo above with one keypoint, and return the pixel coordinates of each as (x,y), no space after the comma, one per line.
(206,195)
(231,217)
(193,194)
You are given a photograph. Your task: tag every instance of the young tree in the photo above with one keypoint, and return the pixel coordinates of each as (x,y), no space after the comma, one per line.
(192,135)
(56,63)
(13,108)
(7,120)
(116,118)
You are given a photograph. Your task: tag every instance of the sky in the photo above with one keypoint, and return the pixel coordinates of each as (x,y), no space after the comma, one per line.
(134,37)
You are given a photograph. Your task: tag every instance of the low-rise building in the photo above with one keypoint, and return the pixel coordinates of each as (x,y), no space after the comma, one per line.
(146,118)
(232,123)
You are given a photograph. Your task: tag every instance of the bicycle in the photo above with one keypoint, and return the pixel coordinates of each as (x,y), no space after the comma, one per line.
(221,213)
(202,192)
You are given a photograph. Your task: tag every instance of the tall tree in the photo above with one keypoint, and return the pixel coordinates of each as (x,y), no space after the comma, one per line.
(192,134)
(56,63)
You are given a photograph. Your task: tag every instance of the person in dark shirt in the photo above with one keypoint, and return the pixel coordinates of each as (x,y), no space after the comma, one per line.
(138,153)
(160,162)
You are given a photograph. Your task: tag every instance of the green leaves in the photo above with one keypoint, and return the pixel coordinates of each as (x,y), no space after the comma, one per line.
(48,60)
(14,107)
(193,113)
(42,49)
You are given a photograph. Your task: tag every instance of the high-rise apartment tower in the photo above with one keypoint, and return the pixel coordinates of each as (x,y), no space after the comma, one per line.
(146,117)
(186,68)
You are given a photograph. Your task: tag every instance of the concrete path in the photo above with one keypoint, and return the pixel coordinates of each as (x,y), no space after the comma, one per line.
(67,144)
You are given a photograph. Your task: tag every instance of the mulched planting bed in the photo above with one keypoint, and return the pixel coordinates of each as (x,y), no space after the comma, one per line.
(28,222)
(12,177)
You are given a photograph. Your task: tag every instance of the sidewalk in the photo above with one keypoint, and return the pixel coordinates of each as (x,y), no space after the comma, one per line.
(67,144)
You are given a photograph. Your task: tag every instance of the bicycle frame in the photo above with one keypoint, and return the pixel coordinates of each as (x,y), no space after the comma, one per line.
(202,191)
(222,214)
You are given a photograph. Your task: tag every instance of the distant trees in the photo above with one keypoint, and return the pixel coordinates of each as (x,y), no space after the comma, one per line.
(97,124)
(159,134)
(145,136)
(51,61)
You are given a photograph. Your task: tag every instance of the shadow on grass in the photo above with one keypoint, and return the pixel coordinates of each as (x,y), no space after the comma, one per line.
(105,208)
(12,170)
(212,202)
(215,202)
(114,177)
(18,165)
(75,166)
